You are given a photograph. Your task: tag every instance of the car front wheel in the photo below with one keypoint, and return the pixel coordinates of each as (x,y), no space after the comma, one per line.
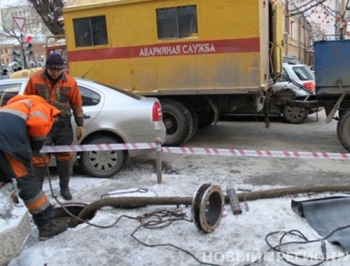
(294,114)
(102,163)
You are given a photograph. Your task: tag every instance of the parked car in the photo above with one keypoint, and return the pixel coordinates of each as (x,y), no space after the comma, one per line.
(13,67)
(301,75)
(4,74)
(25,73)
(111,116)
(299,79)
(296,82)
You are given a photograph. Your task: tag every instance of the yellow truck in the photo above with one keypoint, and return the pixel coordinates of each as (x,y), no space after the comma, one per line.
(56,44)
(201,58)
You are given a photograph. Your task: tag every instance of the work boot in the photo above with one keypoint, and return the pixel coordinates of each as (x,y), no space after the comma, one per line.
(54,227)
(65,193)
(40,173)
(63,171)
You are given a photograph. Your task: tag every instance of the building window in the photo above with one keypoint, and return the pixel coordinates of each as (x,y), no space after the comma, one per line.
(292,29)
(176,22)
(90,31)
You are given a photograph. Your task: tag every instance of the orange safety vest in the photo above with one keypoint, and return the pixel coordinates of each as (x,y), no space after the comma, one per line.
(38,113)
(24,120)
(65,95)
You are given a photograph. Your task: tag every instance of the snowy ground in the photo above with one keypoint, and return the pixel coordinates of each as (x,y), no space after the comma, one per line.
(238,240)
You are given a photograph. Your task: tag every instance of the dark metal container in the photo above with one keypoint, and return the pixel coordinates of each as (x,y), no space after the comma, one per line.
(332,68)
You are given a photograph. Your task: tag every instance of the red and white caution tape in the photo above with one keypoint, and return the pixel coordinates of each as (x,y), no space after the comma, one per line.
(257,153)
(99,147)
(198,151)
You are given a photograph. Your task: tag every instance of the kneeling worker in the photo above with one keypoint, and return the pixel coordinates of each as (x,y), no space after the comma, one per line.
(24,123)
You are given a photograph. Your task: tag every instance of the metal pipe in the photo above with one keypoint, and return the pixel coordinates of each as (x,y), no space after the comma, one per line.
(158,141)
(130,202)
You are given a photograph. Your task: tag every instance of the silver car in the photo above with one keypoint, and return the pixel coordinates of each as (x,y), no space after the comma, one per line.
(111,116)
(293,77)
(299,79)
(296,82)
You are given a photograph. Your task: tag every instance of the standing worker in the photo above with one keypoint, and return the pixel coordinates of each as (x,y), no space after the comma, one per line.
(24,124)
(61,90)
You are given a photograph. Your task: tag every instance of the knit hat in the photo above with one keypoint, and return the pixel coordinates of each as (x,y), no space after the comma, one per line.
(54,62)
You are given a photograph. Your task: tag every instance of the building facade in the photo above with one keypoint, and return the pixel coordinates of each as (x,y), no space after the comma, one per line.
(297,37)
(13,40)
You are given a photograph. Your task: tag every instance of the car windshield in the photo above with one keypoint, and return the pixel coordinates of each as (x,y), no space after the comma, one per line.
(8,91)
(303,73)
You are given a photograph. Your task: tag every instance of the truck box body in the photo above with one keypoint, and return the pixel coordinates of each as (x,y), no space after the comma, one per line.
(332,70)
(218,47)
(332,65)
(200,58)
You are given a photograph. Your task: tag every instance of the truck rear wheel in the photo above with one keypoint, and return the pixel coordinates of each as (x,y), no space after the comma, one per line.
(194,114)
(343,130)
(178,121)
(205,118)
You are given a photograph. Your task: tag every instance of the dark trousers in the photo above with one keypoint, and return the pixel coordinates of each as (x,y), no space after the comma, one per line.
(28,185)
(61,134)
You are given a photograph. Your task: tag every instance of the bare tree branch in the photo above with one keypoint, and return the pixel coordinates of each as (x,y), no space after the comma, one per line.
(317,33)
(298,11)
(50,11)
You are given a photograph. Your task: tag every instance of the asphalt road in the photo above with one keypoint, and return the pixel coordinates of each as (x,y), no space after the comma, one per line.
(250,133)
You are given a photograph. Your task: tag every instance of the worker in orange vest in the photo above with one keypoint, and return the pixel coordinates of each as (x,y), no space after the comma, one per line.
(24,123)
(61,90)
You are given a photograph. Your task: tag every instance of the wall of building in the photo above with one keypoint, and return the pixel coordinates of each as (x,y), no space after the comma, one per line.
(298,40)
(33,27)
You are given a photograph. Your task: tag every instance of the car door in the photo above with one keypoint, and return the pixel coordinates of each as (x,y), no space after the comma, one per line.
(92,106)
(283,83)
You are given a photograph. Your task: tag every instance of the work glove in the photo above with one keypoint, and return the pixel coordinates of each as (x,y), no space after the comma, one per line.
(80,132)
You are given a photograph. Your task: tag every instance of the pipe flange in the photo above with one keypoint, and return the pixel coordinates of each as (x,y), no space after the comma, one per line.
(207,207)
